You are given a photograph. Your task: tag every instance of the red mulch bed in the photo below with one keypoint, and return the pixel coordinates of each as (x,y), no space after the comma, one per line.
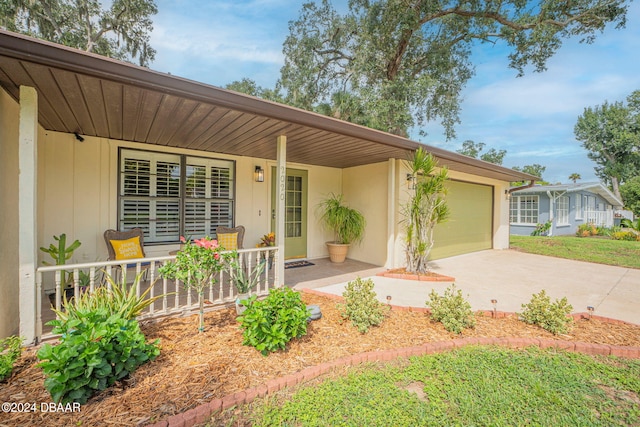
(195,368)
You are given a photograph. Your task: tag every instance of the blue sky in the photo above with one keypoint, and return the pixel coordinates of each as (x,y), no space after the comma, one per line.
(532,117)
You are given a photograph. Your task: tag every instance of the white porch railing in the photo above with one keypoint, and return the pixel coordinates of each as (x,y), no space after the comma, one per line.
(599,218)
(176,300)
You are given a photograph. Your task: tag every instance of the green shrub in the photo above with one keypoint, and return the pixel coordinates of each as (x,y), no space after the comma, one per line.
(117,298)
(96,349)
(10,349)
(586,230)
(271,323)
(451,309)
(542,229)
(628,236)
(553,317)
(361,305)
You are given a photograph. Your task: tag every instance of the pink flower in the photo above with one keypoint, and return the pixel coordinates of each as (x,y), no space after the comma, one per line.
(206,243)
(182,239)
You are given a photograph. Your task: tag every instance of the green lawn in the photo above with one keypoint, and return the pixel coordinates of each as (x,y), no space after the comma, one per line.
(480,386)
(591,249)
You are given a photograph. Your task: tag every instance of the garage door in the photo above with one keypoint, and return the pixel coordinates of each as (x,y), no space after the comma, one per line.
(470,224)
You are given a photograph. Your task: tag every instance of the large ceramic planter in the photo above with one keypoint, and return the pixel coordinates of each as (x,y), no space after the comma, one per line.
(337,252)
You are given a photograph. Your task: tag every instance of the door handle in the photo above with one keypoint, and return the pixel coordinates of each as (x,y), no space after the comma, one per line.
(273,214)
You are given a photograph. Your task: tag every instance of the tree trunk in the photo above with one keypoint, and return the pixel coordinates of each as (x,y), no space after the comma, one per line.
(616,187)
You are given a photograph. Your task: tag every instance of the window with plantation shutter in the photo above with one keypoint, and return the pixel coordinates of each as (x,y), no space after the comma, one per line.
(172,195)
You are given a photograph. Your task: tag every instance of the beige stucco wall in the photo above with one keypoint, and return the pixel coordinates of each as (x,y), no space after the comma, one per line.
(366,189)
(79,193)
(9,304)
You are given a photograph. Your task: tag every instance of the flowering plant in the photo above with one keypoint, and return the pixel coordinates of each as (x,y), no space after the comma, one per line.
(268,240)
(196,266)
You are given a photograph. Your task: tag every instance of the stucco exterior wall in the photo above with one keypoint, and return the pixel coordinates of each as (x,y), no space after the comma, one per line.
(366,189)
(9,304)
(79,194)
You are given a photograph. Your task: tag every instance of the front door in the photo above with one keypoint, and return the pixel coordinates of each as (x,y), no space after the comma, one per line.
(295,221)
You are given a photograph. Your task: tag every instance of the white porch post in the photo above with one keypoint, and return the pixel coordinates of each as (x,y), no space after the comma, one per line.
(27,198)
(280,205)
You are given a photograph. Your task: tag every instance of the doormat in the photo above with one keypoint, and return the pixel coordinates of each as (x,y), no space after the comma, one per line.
(296,264)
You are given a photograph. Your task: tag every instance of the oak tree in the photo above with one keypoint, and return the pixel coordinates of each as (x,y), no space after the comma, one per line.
(120,31)
(611,134)
(407,61)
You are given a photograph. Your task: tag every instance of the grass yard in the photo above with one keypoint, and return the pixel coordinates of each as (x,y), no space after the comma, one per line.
(591,249)
(482,386)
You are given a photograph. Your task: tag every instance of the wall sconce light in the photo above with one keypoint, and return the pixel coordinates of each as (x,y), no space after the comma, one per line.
(411,181)
(590,309)
(389,299)
(507,195)
(495,306)
(258,174)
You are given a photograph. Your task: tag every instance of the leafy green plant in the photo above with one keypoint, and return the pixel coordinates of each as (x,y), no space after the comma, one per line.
(96,349)
(243,279)
(10,349)
(425,209)
(269,324)
(361,305)
(60,254)
(553,317)
(118,298)
(451,309)
(542,229)
(587,229)
(347,224)
(633,225)
(627,236)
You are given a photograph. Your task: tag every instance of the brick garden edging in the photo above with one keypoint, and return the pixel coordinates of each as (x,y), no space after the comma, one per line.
(203,412)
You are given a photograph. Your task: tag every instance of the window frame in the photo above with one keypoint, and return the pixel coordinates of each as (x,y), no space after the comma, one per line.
(184,161)
(579,211)
(517,199)
(562,211)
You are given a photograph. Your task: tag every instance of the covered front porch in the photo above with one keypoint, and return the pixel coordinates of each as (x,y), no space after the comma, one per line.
(89,143)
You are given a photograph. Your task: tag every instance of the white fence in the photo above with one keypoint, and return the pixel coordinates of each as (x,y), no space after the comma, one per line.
(599,218)
(176,298)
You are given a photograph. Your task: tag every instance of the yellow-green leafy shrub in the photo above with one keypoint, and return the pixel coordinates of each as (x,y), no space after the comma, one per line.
(361,305)
(451,309)
(628,236)
(553,317)
(10,349)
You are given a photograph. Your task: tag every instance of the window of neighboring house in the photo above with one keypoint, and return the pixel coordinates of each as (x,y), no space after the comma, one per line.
(578,206)
(173,195)
(523,210)
(562,210)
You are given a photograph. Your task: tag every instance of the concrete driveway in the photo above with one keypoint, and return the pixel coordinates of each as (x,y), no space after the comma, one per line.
(512,277)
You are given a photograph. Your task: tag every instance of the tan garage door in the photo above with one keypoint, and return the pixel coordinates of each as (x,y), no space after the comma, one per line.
(470,224)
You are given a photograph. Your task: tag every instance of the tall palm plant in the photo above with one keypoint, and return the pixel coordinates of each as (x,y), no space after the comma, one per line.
(425,208)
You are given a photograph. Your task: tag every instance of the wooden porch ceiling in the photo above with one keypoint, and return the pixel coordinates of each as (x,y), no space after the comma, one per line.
(97,96)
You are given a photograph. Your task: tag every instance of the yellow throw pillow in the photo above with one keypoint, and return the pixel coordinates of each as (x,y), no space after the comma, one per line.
(127,249)
(229,241)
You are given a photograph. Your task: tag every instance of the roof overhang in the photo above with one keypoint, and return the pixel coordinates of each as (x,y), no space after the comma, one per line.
(97,96)
(593,187)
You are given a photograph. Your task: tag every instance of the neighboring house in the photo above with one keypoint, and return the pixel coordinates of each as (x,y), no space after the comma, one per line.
(565,205)
(88,143)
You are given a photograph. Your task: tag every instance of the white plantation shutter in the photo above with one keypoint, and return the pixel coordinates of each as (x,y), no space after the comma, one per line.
(151,195)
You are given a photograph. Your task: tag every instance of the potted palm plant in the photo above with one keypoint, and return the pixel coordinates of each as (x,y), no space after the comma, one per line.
(346,223)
